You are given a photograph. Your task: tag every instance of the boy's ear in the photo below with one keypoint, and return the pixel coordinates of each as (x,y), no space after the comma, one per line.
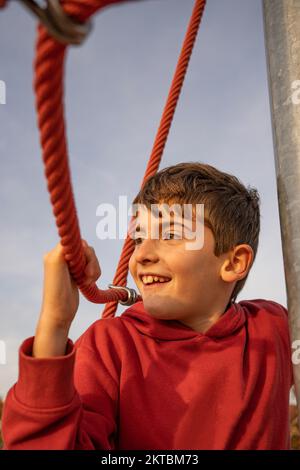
(237,263)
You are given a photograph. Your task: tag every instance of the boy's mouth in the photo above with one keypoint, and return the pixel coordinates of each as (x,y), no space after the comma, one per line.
(150,280)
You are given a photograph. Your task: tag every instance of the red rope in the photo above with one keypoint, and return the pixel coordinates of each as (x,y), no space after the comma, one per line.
(49,64)
(120,278)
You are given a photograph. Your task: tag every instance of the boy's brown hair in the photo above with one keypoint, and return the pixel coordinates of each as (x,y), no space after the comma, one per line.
(231,210)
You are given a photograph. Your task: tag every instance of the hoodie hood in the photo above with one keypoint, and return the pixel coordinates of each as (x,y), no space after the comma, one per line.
(171,330)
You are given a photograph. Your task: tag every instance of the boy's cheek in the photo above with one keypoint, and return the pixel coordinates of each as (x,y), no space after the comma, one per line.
(132,268)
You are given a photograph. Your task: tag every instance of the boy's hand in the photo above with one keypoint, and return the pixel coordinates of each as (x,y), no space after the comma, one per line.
(60,300)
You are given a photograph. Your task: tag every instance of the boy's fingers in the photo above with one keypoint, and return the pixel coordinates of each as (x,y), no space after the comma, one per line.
(92,269)
(88,250)
(93,265)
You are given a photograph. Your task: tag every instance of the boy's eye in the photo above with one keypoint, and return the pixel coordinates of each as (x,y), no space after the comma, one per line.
(166,236)
(172,236)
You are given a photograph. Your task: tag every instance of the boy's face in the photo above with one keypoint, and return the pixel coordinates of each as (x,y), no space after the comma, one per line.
(196,294)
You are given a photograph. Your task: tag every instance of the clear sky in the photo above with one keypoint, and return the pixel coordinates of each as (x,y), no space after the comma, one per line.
(116,86)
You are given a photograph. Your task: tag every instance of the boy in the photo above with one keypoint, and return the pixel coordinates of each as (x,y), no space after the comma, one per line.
(186,368)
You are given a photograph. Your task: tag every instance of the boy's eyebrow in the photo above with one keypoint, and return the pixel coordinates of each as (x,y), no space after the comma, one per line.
(176,222)
(171,222)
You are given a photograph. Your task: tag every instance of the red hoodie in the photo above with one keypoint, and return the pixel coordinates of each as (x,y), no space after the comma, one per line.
(135,382)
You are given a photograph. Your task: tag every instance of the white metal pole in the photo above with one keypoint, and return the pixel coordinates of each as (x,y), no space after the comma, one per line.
(282,40)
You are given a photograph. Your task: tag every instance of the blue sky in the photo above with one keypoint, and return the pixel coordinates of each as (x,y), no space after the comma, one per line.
(116,86)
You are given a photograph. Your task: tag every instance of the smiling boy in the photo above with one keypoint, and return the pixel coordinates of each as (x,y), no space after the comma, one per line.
(196,272)
(188,367)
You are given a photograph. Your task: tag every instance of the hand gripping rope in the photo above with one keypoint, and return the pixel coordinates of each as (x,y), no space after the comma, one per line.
(48,84)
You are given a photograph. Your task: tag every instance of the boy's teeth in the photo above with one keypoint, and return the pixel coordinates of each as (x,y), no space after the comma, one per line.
(150,279)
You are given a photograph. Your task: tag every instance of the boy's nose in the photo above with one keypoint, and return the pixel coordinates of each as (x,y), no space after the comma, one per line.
(147,251)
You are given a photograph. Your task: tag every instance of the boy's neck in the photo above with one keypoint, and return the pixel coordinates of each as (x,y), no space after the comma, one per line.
(202,324)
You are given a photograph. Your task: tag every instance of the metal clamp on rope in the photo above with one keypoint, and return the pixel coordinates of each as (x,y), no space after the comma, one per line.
(61,26)
(132,294)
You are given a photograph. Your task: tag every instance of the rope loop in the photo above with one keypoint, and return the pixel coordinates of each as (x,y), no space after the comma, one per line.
(48,84)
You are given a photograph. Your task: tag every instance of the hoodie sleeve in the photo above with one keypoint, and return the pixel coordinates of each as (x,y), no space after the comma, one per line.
(60,402)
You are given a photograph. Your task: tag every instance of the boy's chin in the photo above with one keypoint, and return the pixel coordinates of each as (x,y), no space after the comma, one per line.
(158,308)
